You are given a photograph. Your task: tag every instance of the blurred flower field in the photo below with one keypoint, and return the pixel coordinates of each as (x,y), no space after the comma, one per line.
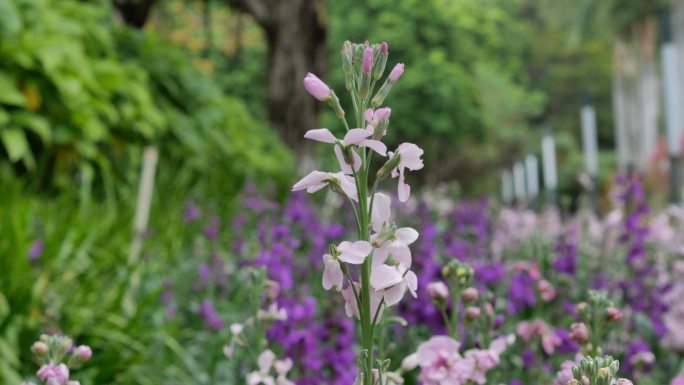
(172,211)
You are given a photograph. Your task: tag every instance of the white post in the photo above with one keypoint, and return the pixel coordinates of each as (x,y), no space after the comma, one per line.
(589,141)
(532,173)
(673,107)
(549,162)
(519,180)
(506,186)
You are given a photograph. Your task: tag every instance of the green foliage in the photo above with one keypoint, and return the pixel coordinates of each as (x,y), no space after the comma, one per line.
(77,89)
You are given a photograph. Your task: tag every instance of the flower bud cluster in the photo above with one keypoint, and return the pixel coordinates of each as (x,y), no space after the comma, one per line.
(57,355)
(597,371)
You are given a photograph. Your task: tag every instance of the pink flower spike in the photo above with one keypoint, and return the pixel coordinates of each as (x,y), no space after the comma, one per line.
(316,87)
(321,135)
(396,73)
(354,252)
(367,62)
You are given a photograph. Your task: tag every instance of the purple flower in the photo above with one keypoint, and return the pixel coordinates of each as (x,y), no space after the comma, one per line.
(191,213)
(36,250)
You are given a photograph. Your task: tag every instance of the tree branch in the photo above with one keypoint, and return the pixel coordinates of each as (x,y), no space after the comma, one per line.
(259,9)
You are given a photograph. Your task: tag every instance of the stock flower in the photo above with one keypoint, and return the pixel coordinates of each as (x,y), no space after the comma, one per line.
(338,181)
(53,374)
(354,253)
(409,158)
(394,280)
(441,363)
(357,137)
(389,242)
(679,380)
(316,87)
(373,117)
(273,313)
(262,376)
(351,308)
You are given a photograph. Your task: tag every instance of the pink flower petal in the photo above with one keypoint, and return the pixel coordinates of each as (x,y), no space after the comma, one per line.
(332,273)
(403,190)
(406,235)
(381,210)
(313,180)
(321,135)
(355,136)
(376,145)
(384,276)
(354,252)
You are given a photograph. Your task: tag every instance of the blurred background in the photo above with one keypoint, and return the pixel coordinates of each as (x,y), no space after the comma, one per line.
(216,86)
(117,116)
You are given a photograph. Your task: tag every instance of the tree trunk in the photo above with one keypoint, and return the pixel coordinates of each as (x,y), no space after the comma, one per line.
(296,33)
(134,12)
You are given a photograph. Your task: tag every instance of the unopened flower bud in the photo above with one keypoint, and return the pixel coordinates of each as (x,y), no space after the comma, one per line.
(316,87)
(347,64)
(614,367)
(472,313)
(40,348)
(438,291)
(581,307)
(623,381)
(579,332)
(381,61)
(387,168)
(576,372)
(83,352)
(613,314)
(469,295)
(367,61)
(396,73)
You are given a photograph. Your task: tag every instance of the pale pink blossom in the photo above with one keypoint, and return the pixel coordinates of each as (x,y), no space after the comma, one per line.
(679,380)
(409,158)
(394,280)
(530,329)
(550,341)
(316,87)
(317,180)
(441,363)
(353,253)
(356,137)
(272,313)
(53,374)
(262,375)
(351,307)
(623,381)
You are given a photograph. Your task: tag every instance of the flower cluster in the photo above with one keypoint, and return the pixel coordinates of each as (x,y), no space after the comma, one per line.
(267,363)
(380,256)
(441,363)
(57,355)
(596,371)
